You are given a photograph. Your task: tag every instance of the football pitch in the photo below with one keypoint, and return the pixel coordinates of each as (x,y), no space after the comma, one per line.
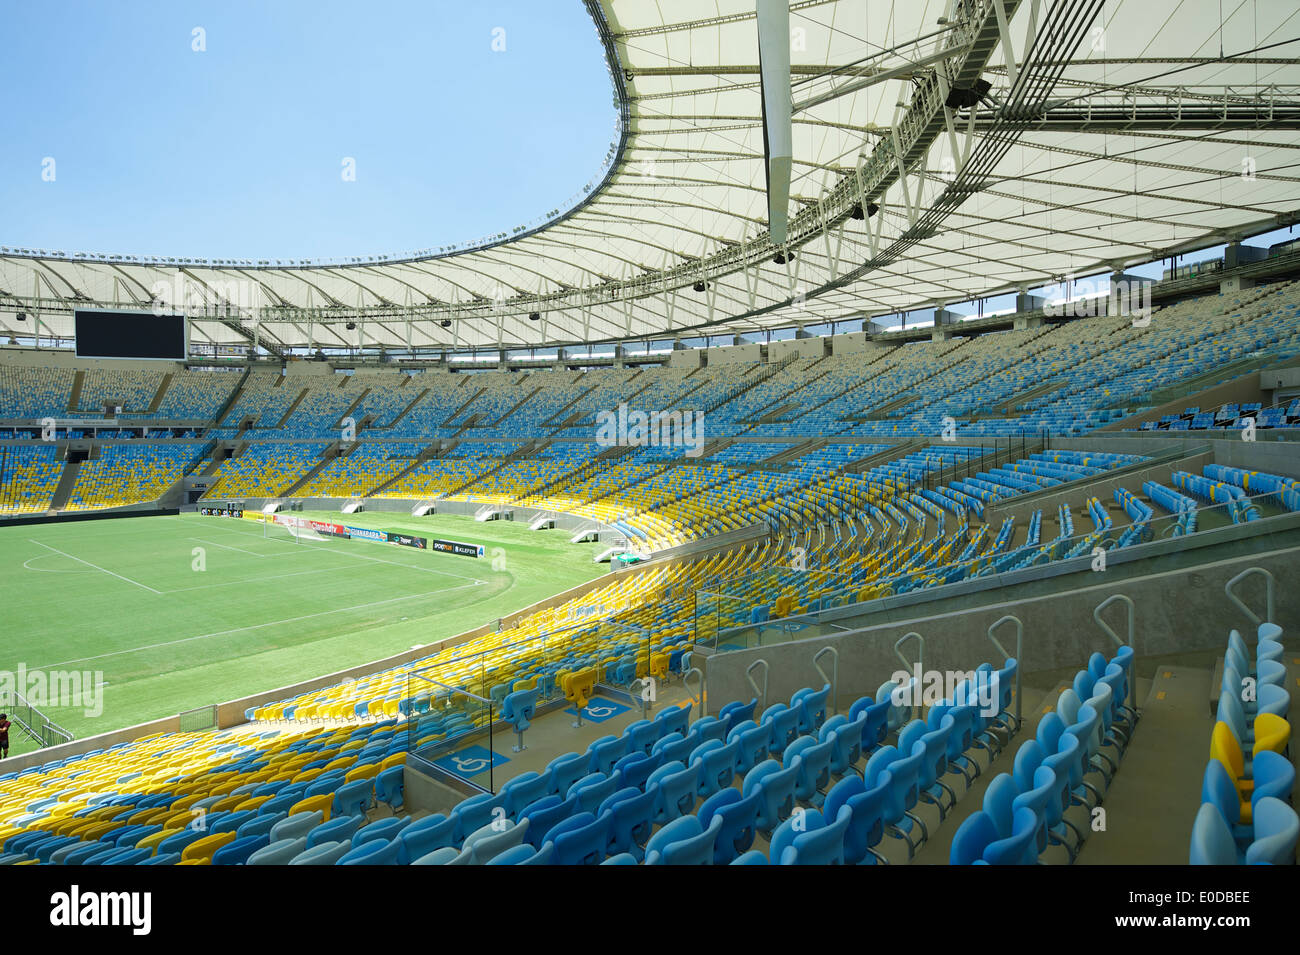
(165,614)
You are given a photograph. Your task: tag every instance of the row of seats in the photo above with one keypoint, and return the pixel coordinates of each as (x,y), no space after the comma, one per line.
(1024,812)
(1245,814)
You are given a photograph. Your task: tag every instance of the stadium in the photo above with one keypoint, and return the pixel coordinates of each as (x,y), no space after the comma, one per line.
(887,457)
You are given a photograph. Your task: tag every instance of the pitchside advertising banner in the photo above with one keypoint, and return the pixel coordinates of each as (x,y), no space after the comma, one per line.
(458,548)
(222,511)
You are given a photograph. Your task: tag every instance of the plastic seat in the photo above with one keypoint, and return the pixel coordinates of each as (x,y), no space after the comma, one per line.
(675,787)
(642,735)
(737,712)
(298,824)
(846,741)
(518,709)
(371,852)
(684,841)
(386,830)
(739,816)
(522,790)
(707,728)
(976,833)
(592,790)
(278,852)
(754,743)
(1212,842)
(631,820)
(338,829)
(806,838)
(673,719)
(1019,847)
(866,825)
(635,768)
(565,770)
(423,836)
(605,752)
(813,762)
(811,706)
(673,748)
(877,728)
(354,798)
(544,814)
(715,763)
(475,812)
(784,724)
(388,786)
(580,839)
(775,787)
(1276,830)
(493,839)
(238,850)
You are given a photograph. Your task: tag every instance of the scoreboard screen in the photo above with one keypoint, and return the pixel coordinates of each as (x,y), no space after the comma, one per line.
(129,335)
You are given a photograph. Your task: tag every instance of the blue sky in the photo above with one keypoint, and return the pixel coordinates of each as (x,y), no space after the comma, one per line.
(237,151)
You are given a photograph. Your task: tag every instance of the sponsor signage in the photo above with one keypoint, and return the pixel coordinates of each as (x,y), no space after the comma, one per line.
(366,534)
(222,511)
(458,548)
(406,540)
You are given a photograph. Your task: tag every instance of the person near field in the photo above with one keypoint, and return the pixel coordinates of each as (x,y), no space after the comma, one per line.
(4,735)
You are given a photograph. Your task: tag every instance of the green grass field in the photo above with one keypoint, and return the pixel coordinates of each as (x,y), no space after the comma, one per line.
(124,598)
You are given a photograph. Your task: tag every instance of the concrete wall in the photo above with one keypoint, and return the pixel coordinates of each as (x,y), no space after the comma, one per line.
(685,358)
(735,355)
(1175,612)
(803,347)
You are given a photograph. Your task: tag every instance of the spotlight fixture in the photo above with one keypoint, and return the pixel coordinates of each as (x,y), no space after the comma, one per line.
(534,316)
(782,257)
(967,97)
(445,323)
(700,286)
(21,316)
(352,326)
(860,214)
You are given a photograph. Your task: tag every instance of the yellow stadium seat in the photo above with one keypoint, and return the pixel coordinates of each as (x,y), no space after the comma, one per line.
(324,802)
(201,850)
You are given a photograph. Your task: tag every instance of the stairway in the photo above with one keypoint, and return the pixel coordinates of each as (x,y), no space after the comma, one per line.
(66,482)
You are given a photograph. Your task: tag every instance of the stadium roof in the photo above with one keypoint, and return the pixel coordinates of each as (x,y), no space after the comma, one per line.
(1110,134)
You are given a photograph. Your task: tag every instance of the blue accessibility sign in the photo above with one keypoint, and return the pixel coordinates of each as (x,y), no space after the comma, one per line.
(470,761)
(599,709)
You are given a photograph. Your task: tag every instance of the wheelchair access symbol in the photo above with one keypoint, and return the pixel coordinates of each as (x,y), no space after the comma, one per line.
(599,709)
(470,761)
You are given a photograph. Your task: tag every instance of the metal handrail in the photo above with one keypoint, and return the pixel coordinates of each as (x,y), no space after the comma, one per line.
(834,679)
(1020,642)
(685,683)
(1096,615)
(761,693)
(1269,584)
(920,662)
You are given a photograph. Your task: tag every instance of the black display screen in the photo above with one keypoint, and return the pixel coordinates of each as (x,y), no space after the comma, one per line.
(129,335)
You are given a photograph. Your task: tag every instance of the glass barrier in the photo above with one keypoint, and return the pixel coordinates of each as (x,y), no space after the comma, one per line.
(456,709)
(452,728)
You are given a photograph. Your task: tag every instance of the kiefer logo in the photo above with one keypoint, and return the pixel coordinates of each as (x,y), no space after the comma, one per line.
(76,908)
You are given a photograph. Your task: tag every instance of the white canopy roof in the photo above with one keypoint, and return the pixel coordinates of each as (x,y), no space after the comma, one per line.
(1112,133)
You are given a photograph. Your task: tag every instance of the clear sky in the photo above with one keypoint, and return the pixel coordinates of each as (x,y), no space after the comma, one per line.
(237,150)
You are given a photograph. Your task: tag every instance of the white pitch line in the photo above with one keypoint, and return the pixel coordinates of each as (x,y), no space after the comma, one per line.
(97,567)
(256,626)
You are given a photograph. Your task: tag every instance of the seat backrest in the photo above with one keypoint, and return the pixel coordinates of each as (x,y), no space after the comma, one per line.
(1212,842)
(1276,830)
(1224,748)
(1018,848)
(976,833)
